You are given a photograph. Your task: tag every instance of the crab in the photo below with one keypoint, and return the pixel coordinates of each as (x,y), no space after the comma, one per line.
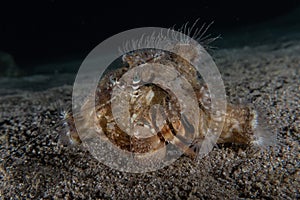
(154,118)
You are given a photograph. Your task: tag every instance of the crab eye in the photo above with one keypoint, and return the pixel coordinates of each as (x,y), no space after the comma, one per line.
(136,79)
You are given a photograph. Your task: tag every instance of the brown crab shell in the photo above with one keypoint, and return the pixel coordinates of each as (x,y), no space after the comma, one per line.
(176,129)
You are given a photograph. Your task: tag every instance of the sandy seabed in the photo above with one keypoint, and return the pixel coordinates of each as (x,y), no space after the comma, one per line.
(35,165)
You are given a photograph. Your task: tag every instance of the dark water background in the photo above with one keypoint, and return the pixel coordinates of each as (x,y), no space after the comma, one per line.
(48,40)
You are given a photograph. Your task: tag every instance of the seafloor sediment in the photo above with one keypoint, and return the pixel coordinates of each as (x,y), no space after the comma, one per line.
(35,165)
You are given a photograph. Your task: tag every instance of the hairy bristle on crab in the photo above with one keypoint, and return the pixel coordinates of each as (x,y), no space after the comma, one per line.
(68,137)
(263,136)
(189,32)
(198,33)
